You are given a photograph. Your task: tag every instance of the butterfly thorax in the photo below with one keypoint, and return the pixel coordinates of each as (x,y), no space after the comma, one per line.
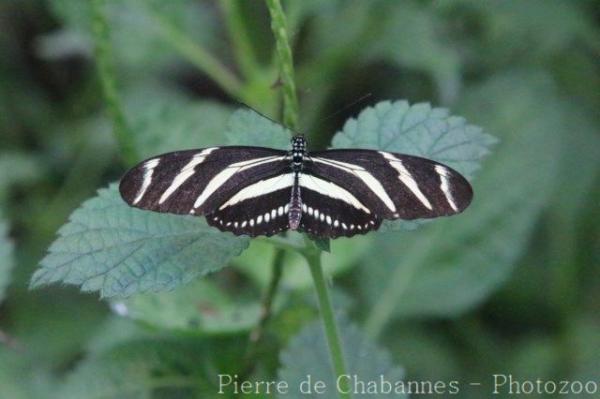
(295,206)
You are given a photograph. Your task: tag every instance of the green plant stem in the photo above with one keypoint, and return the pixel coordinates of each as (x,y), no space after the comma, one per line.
(198,55)
(313,257)
(242,47)
(106,73)
(286,64)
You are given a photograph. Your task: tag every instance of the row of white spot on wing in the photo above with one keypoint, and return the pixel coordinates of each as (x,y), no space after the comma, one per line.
(323,217)
(263,218)
(149,167)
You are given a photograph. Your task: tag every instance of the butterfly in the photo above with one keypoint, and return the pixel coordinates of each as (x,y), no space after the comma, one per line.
(263,191)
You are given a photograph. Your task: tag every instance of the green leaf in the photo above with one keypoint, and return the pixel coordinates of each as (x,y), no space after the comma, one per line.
(17,168)
(455,263)
(307,354)
(413,36)
(201,306)
(136,28)
(110,247)
(417,130)
(246,127)
(6,259)
(22,378)
(345,253)
(164,121)
(525,30)
(144,369)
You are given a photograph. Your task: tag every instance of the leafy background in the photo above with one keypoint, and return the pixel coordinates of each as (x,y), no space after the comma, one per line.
(511,286)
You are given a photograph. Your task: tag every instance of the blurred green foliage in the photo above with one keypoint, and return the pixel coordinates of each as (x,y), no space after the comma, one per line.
(511,286)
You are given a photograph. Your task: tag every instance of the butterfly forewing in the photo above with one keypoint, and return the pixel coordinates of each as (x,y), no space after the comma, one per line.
(394,185)
(198,181)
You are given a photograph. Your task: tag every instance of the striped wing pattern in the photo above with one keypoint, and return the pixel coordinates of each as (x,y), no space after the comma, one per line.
(199,182)
(388,185)
(247,190)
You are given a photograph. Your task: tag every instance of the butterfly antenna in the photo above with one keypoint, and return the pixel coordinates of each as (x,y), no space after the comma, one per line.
(345,107)
(267,117)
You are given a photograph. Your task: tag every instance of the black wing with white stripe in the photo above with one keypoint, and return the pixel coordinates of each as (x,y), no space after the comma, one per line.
(387,185)
(211,180)
(261,191)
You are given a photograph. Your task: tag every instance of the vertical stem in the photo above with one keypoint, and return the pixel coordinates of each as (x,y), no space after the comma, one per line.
(313,257)
(106,73)
(286,64)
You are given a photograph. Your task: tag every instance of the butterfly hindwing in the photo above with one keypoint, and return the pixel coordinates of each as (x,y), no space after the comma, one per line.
(394,185)
(265,214)
(334,215)
(198,181)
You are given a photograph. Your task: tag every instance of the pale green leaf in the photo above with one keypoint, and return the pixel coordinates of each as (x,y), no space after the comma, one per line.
(143,369)
(202,306)
(6,259)
(454,264)
(110,247)
(246,127)
(164,121)
(308,354)
(256,261)
(417,130)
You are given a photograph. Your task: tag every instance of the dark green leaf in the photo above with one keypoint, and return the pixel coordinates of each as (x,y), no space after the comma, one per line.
(201,306)
(115,249)
(308,354)
(143,369)
(6,259)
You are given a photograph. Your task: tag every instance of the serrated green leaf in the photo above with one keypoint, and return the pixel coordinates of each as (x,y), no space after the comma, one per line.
(143,369)
(115,249)
(201,306)
(6,259)
(417,130)
(308,354)
(454,264)
(246,127)
(256,261)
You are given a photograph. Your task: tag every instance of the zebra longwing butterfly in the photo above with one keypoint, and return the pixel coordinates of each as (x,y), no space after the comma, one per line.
(263,191)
